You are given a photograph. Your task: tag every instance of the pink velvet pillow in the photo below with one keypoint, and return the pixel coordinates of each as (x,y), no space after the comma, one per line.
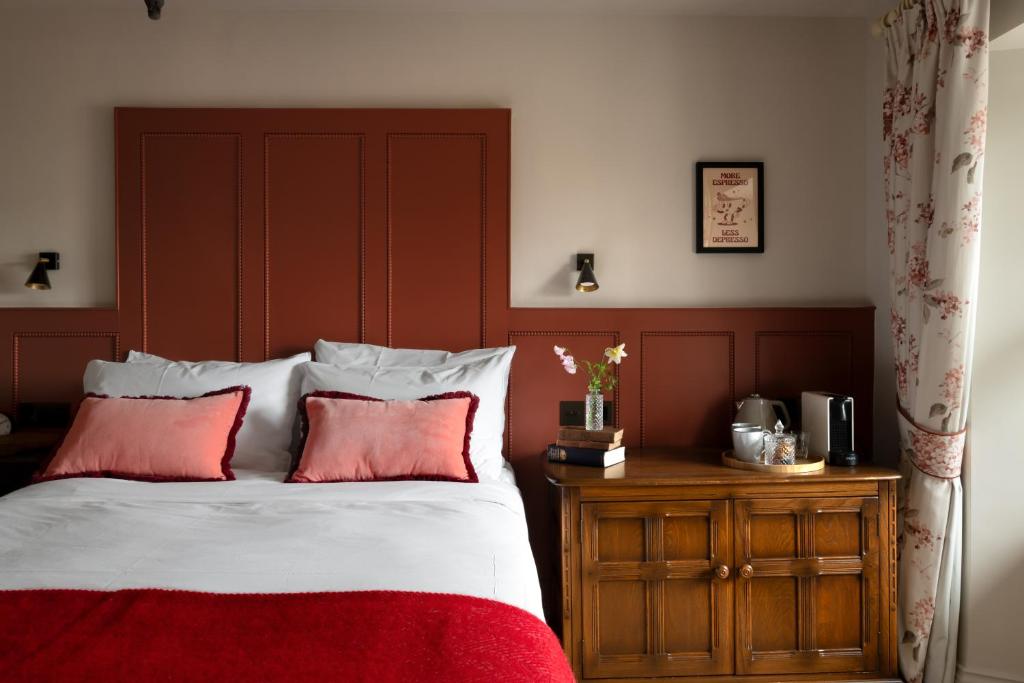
(356,438)
(152,438)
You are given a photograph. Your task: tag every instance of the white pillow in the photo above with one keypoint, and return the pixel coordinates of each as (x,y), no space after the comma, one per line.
(268,430)
(345,354)
(487,378)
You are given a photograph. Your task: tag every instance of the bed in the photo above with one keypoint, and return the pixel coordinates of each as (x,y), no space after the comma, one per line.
(379,581)
(258,535)
(280,520)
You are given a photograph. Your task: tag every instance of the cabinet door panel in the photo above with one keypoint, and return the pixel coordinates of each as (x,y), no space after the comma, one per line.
(622,614)
(773,535)
(807,600)
(772,610)
(837,534)
(687,618)
(837,602)
(686,537)
(652,602)
(621,539)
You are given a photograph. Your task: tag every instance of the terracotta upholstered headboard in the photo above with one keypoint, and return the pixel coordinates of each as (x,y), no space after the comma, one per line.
(249,233)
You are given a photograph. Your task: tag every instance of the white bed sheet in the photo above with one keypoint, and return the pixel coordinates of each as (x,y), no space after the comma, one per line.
(259,535)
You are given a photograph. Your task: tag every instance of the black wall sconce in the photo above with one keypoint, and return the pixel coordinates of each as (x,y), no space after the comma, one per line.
(153,8)
(39,279)
(587,281)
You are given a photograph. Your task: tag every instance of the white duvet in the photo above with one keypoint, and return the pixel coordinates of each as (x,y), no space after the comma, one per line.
(258,535)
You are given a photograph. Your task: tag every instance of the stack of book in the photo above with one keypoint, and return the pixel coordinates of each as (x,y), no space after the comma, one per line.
(577,446)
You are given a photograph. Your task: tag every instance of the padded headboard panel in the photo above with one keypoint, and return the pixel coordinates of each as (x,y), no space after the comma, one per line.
(249,233)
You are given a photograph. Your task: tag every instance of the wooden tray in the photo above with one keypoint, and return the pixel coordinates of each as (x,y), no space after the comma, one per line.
(812,463)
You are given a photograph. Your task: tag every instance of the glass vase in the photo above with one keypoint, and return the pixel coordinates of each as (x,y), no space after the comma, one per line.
(594,411)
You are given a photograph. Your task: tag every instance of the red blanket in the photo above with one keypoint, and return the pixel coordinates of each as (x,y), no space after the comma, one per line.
(156,635)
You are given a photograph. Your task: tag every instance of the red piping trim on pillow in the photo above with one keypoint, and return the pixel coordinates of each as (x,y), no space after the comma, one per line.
(471,476)
(225,462)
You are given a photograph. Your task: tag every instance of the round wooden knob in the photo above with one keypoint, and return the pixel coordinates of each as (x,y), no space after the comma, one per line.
(722,571)
(746,571)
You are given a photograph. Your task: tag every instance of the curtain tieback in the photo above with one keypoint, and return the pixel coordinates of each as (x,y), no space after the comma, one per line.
(938,454)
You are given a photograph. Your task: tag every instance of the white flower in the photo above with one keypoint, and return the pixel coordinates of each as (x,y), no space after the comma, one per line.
(569,363)
(559,351)
(615,354)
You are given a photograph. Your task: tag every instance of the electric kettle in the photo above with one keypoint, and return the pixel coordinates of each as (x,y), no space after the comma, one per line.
(761,412)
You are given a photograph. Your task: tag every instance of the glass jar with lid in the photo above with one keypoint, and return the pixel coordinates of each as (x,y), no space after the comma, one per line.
(779,447)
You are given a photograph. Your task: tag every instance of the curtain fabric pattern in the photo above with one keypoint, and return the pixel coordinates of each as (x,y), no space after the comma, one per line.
(934,115)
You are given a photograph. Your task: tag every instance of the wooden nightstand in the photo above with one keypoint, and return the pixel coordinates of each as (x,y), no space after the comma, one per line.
(675,567)
(21,454)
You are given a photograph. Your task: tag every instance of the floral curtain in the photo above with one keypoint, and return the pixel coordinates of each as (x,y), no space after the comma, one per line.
(934,126)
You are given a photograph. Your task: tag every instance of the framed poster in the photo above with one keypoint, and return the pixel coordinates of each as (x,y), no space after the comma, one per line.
(730,207)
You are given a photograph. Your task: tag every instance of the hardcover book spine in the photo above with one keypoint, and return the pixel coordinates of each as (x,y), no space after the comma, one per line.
(606,435)
(577,456)
(588,445)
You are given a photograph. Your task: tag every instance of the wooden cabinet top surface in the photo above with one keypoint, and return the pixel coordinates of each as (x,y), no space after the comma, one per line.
(694,466)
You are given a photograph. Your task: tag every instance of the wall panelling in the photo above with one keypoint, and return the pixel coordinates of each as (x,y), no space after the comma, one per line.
(191,187)
(314,239)
(437,239)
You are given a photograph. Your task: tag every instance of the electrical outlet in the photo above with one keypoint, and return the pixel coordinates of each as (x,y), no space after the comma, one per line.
(571,413)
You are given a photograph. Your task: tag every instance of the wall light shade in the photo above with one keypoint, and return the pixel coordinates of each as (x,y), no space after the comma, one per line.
(587,281)
(153,8)
(39,278)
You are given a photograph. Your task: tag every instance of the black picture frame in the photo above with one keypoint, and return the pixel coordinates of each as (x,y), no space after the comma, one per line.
(702,248)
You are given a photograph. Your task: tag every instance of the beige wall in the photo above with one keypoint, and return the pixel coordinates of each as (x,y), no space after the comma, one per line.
(991,634)
(609,115)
